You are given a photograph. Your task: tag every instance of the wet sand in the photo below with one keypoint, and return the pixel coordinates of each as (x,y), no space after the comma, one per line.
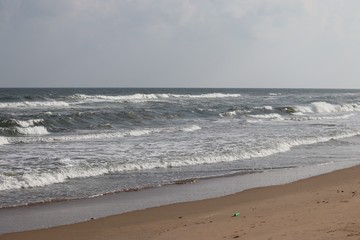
(321,207)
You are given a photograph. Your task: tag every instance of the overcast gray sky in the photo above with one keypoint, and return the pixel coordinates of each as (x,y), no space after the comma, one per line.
(180,43)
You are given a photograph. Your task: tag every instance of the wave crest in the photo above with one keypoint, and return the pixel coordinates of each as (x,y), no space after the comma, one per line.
(36,130)
(27,104)
(71,169)
(324,107)
(138,97)
(23,127)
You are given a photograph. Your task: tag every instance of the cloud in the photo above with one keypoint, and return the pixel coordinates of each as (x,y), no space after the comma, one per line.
(249,43)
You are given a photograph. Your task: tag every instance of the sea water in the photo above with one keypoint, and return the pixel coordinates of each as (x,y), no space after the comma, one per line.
(60,144)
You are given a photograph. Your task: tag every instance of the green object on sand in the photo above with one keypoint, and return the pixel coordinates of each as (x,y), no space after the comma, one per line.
(236,214)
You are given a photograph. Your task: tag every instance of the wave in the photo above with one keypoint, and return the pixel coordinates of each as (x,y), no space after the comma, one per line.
(270,116)
(277,147)
(37,130)
(191,128)
(29,123)
(20,123)
(27,104)
(233,113)
(138,133)
(73,170)
(147,97)
(324,107)
(230,113)
(23,127)
(30,180)
(84,137)
(309,118)
(95,136)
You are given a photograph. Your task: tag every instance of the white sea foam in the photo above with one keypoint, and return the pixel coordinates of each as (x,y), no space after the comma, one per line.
(29,180)
(324,107)
(77,137)
(73,170)
(229,113)
(191,128)
(3,140)
(278,147)
(36,130)
(211,95)
(270,116)
(148,97)
(28,123)
(39,130)
(268,107)
(137,133)
(308,118)
(27,104)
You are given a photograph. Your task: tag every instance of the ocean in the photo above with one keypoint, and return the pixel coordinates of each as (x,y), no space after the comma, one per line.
(61,144)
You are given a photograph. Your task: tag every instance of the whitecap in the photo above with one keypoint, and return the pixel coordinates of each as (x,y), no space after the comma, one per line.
(28,123)
(148,97)
(36,130)
(229,113)
(27,104)
(270,116)
(191,128)
(324,107)
(4,140)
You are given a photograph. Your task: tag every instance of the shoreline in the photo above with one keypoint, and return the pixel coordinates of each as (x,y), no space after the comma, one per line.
(54,214)
(324,206)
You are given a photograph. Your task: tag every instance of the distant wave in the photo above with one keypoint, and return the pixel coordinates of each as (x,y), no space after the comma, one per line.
(28,104)
(147,97)
(230,113)
(307,118)
(324,107)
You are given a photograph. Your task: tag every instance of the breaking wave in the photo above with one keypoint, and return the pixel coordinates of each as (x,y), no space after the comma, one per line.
(308,118)
(96,136)
(271,116)
(148,97)
(324,107)
(36,130)
(72,169)
(230,113)
(191,128)
(23,127)
(26,104)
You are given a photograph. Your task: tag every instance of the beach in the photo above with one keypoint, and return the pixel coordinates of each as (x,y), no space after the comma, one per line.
(155,163)
(320,207)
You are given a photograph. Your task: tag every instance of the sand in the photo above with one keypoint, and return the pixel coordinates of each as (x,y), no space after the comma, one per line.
(321,207)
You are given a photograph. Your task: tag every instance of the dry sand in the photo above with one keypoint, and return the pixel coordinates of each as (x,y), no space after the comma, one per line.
(322,207)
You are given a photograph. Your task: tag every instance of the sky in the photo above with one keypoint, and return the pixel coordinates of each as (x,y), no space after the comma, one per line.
(180,43)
